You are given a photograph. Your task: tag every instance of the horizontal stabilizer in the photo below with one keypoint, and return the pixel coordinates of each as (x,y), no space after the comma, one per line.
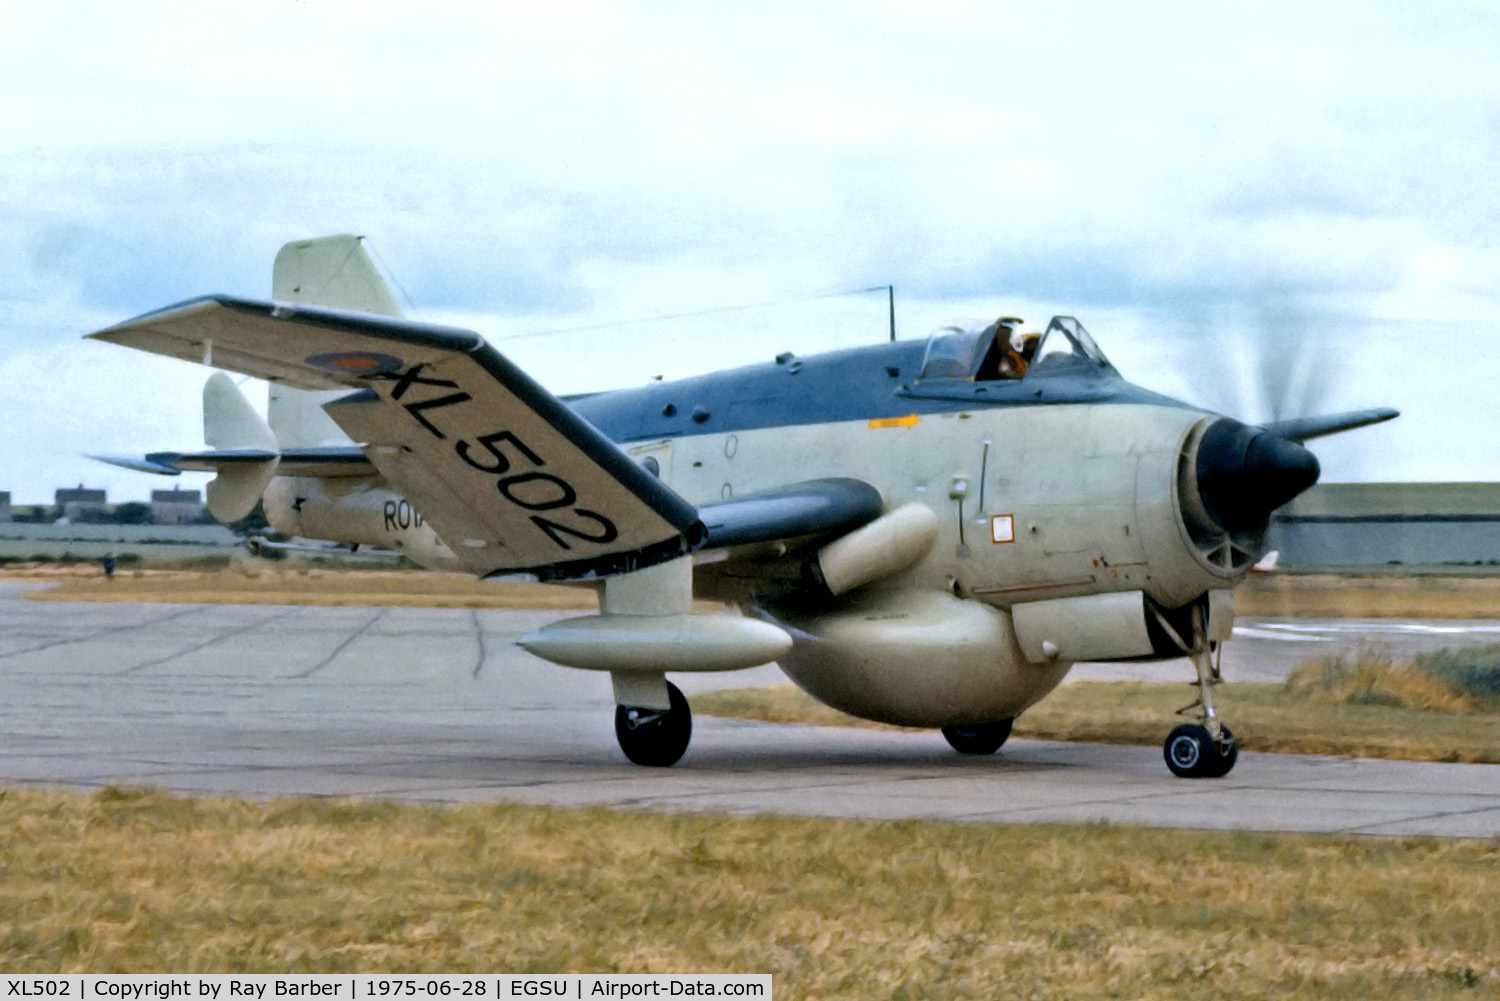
(149,464)
(511,478)
(1305,428)
(320,463)
(312,462)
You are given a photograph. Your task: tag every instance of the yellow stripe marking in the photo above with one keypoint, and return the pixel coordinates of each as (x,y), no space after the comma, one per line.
(909,420)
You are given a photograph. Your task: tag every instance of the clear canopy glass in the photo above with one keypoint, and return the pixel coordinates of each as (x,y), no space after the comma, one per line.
(1003,351)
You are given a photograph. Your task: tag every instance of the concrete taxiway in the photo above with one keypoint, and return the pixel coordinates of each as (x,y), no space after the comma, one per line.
(438,705)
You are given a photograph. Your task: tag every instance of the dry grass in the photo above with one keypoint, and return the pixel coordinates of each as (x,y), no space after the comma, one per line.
(1369,597)
(248,581)
(1263,717)
(129,882)
(264,584)
(1368,676)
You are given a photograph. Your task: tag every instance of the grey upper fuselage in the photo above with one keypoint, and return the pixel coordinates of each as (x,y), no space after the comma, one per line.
(865,383)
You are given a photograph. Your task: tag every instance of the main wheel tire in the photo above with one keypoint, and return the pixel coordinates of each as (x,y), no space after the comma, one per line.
(654,738)
(1192,753)
(978,738)
(1228,753)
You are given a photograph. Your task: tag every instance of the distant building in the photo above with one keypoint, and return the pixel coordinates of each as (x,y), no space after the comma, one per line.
(4,505)
(176,507)
(1412,526)
(81,504)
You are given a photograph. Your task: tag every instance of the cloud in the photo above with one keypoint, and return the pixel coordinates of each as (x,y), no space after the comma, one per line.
(1181,177)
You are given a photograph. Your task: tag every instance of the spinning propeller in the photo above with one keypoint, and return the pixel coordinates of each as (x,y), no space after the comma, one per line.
(1242,471)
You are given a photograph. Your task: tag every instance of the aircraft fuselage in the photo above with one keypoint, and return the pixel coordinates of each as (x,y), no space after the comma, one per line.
(1043,489)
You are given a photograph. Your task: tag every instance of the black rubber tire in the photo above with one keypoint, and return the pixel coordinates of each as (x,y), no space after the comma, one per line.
(1228,754)
(978,738)
(1190,753)
(654,738)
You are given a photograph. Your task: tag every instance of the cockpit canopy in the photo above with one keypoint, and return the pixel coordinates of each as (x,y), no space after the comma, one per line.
(1001,351)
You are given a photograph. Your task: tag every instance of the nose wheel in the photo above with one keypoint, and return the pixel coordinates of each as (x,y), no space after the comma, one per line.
(656,738)
(1192,752)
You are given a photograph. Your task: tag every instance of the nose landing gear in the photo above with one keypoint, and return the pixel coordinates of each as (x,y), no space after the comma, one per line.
(1205,749)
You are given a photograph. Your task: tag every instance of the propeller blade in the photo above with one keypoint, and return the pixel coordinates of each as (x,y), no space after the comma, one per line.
(1302,429)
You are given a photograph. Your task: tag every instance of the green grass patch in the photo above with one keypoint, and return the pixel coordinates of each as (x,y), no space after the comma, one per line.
(1474,671)
(131,881)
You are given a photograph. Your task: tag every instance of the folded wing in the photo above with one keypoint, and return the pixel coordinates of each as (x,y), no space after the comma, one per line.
(507,474)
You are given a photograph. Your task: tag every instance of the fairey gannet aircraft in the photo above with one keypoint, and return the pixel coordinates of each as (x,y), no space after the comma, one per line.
(923,533)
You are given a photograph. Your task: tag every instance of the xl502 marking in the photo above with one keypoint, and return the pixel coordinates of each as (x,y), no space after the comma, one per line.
(39,989)
(534,490)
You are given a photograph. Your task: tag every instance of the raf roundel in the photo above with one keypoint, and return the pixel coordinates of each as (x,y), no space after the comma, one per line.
(356,363)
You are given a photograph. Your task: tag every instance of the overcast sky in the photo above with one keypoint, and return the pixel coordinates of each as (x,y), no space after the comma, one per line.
(1217,191)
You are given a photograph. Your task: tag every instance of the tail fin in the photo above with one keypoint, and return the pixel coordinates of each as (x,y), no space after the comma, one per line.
(332,271)
(230,421)
(231,424)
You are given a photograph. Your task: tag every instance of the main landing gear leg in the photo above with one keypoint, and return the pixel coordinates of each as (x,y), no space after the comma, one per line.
(652,720)
(1205,749)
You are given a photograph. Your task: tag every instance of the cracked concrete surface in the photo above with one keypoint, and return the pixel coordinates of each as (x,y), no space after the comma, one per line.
(439,705)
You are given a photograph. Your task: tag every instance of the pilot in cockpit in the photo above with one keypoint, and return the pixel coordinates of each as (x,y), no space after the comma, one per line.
(1026,345)
(1011,353)
(1009,362)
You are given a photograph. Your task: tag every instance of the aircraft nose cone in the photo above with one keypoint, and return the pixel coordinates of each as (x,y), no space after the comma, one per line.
(1245,473)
